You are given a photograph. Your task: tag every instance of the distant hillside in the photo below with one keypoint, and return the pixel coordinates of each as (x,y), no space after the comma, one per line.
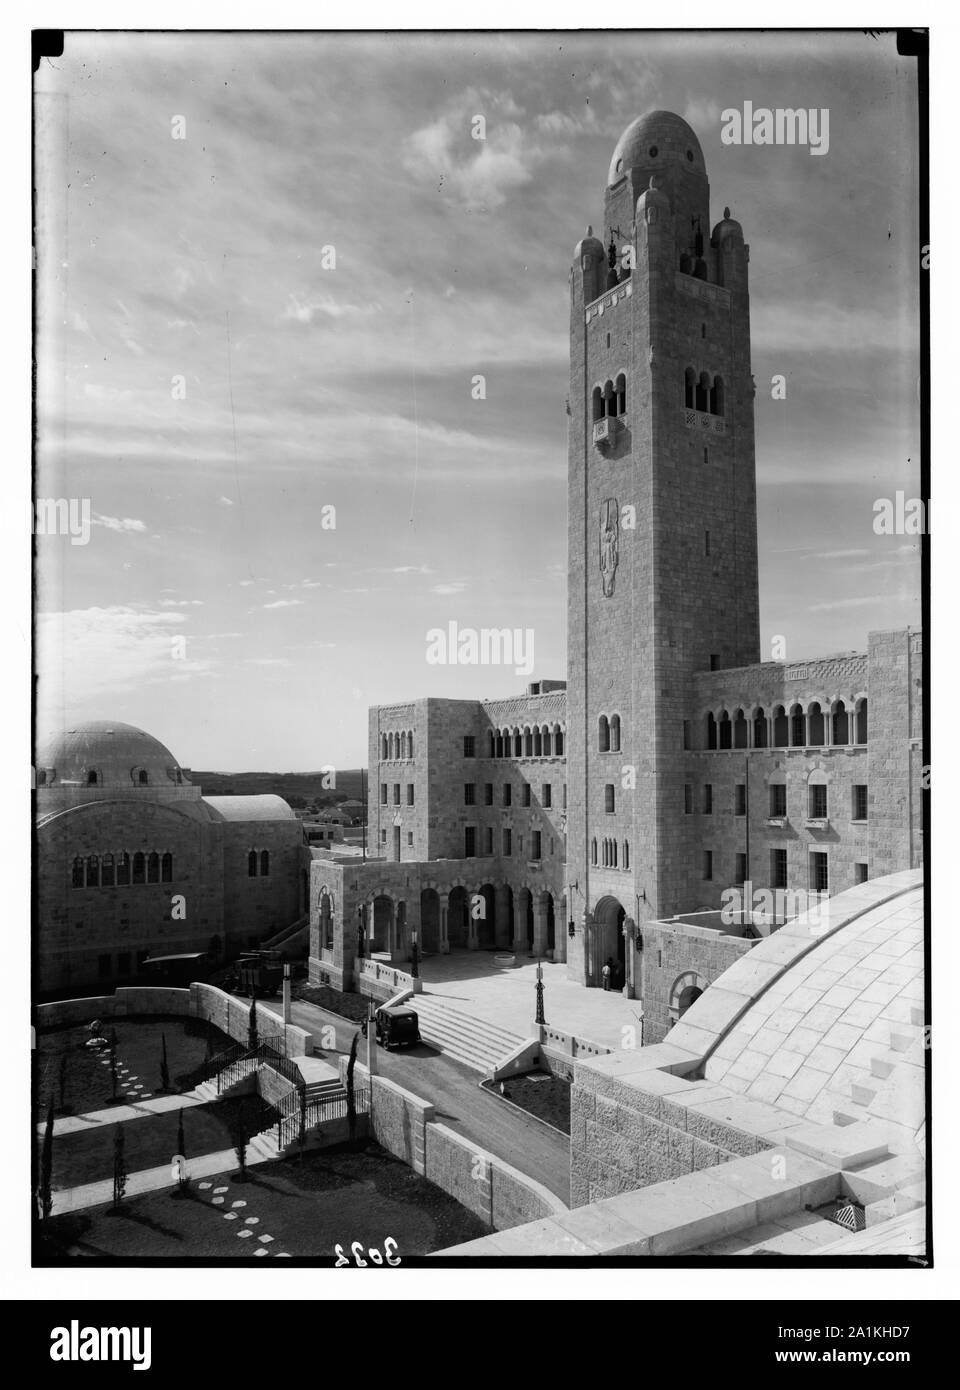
(298,789)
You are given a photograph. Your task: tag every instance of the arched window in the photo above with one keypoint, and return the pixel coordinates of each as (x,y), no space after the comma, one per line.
(798,727)
(142,778)
(389,747)
(252,864)
(547,742)
(621,394)
(614,733)
(498,745)
(597,403)
(517,743)
(166,868)
(153,868)
(862,721)
(77,878)
(93,871)
(703,392)
(626,854)
(815,736)
(781,731)
(740,730)
(108,873)
(492,738)
(593,852)
(841,723)
(686,263)
(558,741)
(726,732)
(613,854)
(409,743)
(139,868)
(527,743)
(537,743)
(93,777)
(700,269)
(403,744)
(123,870)
(603,734)
(609,798)
(716,396)
(264,862)
(689,388)
(711,730)
(609,399)
(383,747)
(759,729)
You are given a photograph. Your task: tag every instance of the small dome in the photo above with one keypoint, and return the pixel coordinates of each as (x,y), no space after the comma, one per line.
(652,196)
(657,138)
(589,245)
(728,226)
(109,754)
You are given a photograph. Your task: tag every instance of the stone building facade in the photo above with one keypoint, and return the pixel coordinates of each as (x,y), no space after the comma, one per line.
(132,861)
(674,766)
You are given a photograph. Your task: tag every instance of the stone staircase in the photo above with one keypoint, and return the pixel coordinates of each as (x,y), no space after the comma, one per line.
(472,1041)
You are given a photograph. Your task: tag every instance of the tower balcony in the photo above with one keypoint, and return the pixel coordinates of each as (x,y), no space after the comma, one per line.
(703,420)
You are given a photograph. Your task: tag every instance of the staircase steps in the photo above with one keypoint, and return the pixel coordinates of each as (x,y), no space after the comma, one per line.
(477,1044)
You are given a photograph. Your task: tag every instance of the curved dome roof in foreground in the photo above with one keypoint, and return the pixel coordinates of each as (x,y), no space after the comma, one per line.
(107,753)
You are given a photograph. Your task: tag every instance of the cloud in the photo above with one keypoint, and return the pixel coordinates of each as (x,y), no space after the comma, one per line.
(481,173)
(280,603)
(181,603)
(117,523)
(224,502)
(306,310)
(456,587)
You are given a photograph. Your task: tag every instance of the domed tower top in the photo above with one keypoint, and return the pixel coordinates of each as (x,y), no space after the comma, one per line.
(655,141)
(107,754)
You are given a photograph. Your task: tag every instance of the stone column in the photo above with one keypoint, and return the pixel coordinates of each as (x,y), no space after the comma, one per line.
(591,977)
(630,956)
(501,932)
(560,924)
(539,925)
(519,923)
(392,931)
(444,901)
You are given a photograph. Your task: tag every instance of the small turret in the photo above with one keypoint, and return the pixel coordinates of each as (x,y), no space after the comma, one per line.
(588,262)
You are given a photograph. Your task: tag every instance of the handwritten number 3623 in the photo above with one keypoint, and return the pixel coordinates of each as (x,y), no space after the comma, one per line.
(375,1256)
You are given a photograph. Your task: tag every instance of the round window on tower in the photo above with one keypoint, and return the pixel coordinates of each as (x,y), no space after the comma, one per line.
(619,166)
(652,152)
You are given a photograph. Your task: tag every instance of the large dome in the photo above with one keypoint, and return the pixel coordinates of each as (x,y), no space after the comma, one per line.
(654,140)
(106,753)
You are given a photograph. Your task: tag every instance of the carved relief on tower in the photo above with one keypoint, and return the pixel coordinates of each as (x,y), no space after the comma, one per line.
(609,543)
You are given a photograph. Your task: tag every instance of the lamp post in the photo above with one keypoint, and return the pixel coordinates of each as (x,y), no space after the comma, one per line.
(414,955)
(540,1016)
(360,931)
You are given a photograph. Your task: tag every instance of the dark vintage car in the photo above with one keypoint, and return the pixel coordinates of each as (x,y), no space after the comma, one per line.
(397,1026)
(257,972)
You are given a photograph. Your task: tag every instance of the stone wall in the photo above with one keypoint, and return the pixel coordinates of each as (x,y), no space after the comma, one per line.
(232,1016)
(672,951)
(126,1003)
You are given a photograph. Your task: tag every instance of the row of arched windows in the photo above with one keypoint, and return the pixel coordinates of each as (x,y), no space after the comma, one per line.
(608,734)
(258,863)
(607,854)
(693,265)
(703,392)
(796,727)
(393,746)
(610,399)
(120,870)
(540,741)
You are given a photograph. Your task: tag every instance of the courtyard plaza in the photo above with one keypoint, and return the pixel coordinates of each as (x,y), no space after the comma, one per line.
(505,996)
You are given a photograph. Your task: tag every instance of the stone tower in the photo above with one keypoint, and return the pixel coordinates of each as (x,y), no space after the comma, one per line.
(662,547)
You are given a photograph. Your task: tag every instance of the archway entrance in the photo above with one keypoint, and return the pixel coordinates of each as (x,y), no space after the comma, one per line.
(457,918)
(608,918)
(382,919)
(326,921)
(486,922)
(430,921)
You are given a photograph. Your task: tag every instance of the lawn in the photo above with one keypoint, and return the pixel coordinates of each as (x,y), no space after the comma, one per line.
(87,1155)
(291,1207)
(547,1097)
(351,1006)
(78,1079)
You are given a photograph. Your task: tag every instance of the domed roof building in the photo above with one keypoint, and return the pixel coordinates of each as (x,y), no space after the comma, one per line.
(654,140)
(133,860)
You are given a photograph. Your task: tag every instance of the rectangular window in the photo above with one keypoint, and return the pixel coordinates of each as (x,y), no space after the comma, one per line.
(469,842)
(525,794)
(818,801)
(740,869)
(488,839)
(687,799)
(564,796)
(469,746)
(708,863)
(409,837)
(686,733)
(508,794)
(469,793)
(859,801)
(708,798)
(778,801)
(507,841)
(396,793)
(819,877)
(706,542)
(778,868)
(609,798)
(409,793)
(383,793)
(536,846)
(714,661)
(383,837)
(740,799)
(547,794)
(860,873)
(104,967)
(488,793)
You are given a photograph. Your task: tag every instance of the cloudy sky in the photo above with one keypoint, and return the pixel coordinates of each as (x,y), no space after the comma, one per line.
(211,380)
